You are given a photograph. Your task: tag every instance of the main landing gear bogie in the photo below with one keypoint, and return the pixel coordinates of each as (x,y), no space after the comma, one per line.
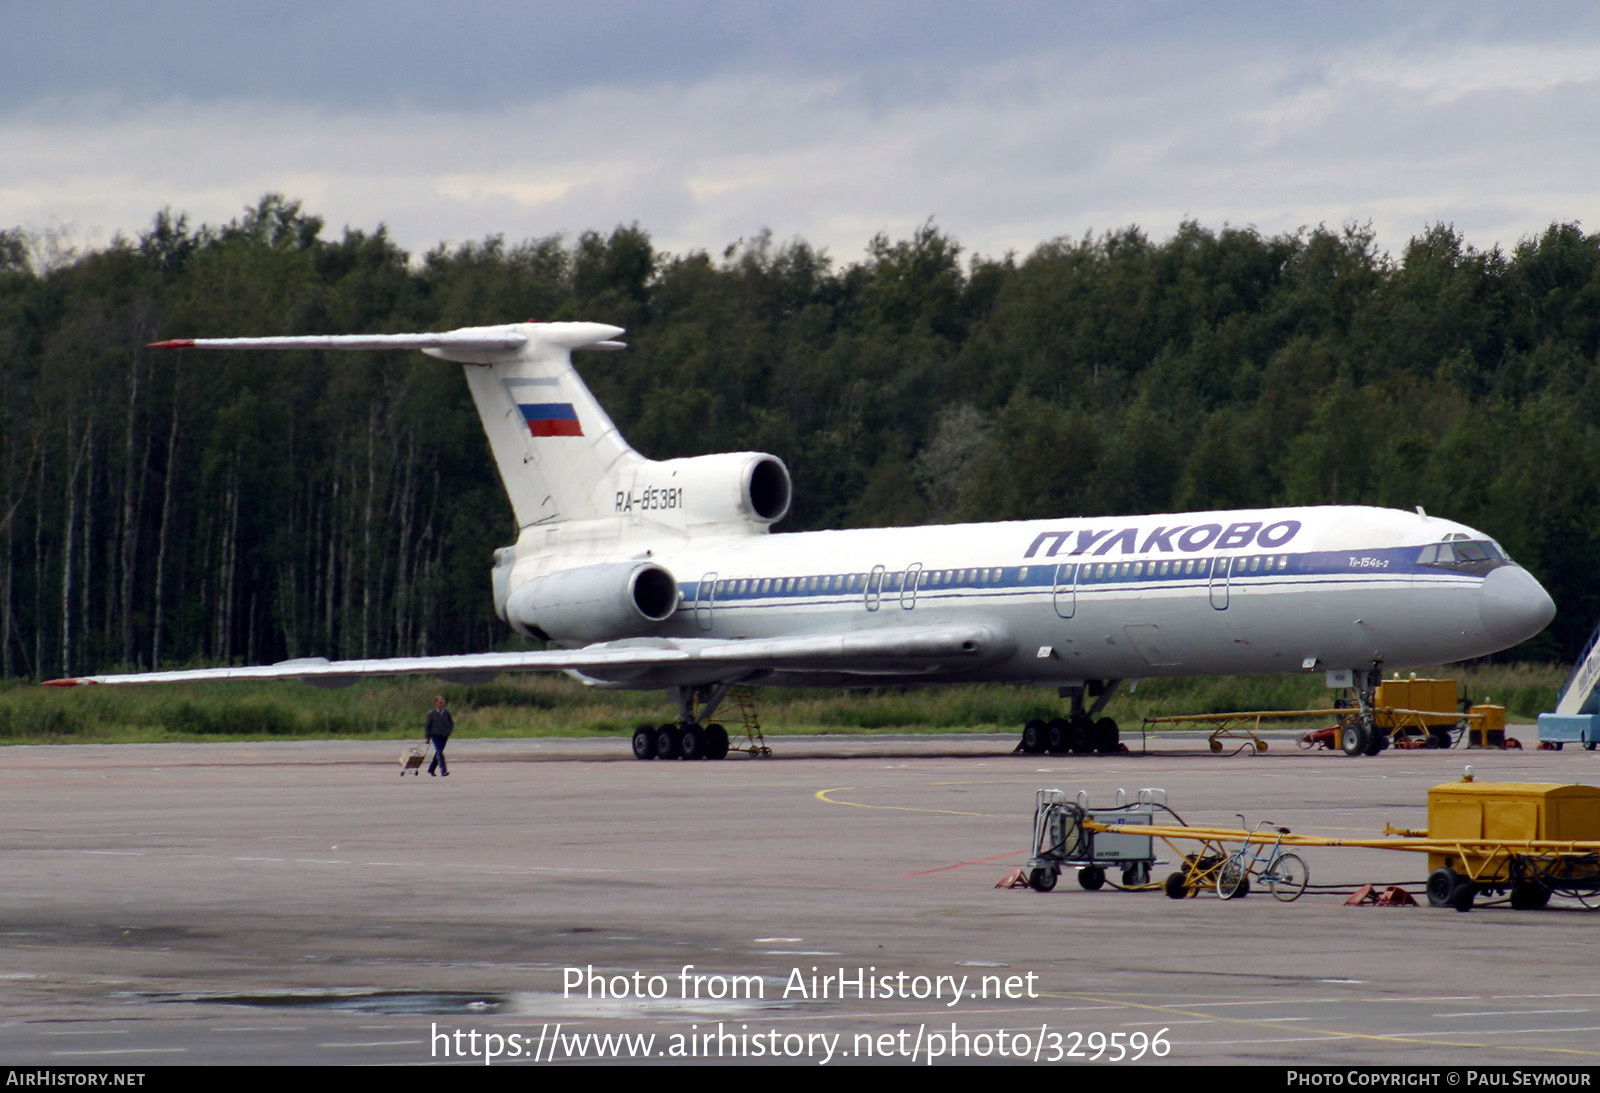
(680,742)
(1071,736)
(1082,731)
(1074,736)
(694,735)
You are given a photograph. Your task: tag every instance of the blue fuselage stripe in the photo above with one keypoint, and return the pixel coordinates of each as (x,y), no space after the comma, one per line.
(1274,572)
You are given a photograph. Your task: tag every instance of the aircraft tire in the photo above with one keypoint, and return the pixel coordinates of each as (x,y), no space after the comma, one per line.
(1033,737)
(1091,878)
(667,742)
(1590,745)
(716,742)
(1353,738)
(1377,740)
(692,742)
(644,742)
(1081,734)
(1107,736)
(1058,736)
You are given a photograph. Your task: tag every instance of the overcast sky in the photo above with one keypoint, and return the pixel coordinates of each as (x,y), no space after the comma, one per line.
(1006,123)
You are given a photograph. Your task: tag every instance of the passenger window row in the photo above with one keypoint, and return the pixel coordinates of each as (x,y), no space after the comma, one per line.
(986,576)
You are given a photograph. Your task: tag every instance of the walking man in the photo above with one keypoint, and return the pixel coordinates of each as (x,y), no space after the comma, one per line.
(438,727)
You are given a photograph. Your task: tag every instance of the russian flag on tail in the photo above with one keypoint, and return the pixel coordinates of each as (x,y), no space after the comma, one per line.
(551,419)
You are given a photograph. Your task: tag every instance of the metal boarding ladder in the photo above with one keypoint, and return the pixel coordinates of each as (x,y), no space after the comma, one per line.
(755,742)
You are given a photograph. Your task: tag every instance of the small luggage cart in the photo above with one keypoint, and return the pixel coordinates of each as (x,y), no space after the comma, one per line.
(411,759)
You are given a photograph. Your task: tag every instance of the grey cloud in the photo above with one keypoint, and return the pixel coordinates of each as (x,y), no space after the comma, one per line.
(864,120)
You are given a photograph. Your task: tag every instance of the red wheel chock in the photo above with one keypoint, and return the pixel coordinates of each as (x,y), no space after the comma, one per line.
(1393,896)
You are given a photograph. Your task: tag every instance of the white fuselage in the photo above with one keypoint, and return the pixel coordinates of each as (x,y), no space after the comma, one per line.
(1249,591)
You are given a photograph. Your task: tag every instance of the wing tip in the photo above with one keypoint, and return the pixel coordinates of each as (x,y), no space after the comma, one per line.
(63,682)
(173,343)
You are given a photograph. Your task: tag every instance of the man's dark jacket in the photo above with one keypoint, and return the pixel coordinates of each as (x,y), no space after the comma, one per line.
(439,724)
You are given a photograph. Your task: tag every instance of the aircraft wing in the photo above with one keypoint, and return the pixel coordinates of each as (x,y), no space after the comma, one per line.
(661,661)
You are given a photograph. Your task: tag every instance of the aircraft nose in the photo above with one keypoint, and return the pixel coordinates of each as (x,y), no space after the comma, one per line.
(1513,605)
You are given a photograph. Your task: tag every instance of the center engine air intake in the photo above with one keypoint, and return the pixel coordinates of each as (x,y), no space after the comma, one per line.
(745,490)
(767,489)
(594,603)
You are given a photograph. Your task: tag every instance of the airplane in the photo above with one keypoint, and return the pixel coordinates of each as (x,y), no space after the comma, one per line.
(645,574)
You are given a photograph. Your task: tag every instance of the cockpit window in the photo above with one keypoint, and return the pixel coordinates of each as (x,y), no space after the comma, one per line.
(1464,555)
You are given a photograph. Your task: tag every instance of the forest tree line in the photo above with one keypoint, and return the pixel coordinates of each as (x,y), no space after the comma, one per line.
(162,508)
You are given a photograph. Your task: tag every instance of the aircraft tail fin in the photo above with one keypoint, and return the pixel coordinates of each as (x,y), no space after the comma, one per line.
(558,452)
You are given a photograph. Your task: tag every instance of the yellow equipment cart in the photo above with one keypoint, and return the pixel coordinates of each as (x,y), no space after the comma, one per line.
(1528,841)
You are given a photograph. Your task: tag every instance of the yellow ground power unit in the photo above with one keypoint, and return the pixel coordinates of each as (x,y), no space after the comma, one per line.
(1489,729)
(1435,699)
(1418,708)
(1511,836)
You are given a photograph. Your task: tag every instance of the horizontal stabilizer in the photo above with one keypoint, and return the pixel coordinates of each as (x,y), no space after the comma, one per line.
(559,454)
(459,345)
(494,339)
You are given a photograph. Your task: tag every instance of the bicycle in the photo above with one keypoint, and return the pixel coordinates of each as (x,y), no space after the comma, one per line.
(1284,872)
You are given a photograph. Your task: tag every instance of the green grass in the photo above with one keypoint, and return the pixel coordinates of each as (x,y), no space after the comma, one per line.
(535,705)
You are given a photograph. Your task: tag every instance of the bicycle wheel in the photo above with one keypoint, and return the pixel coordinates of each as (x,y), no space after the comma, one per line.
(1287,878)
(1233,879)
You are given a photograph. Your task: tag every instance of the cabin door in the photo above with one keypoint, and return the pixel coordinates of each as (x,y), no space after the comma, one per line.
(908,589)
(1220,569)
(874,588)
(704,599)
(1066,589)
